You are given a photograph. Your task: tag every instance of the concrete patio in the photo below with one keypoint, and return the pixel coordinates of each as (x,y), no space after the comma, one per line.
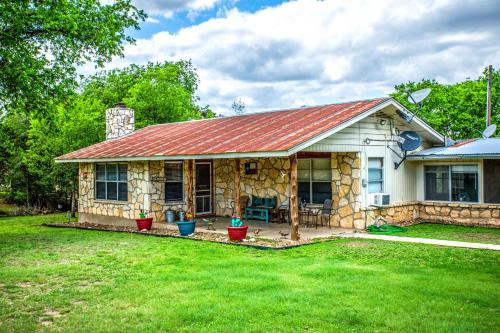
(260,229)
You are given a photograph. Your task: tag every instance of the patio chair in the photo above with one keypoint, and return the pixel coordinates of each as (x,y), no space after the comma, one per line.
(326,213)
(281,214)
(244,199)
(308,215)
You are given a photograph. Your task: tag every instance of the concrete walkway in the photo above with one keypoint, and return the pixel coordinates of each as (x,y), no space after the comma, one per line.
(423,241)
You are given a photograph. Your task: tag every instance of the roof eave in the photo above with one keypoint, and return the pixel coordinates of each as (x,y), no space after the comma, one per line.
(374,109)
(458,156)
(280,153)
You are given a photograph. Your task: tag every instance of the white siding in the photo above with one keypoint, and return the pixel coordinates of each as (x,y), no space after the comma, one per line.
(401,184)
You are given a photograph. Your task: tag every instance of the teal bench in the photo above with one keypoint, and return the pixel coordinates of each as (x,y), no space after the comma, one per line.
(260,208)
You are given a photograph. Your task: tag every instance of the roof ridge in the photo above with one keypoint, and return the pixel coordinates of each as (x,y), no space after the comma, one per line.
(272,111)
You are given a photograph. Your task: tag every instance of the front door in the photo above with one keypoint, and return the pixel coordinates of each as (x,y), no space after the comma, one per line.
(203,188)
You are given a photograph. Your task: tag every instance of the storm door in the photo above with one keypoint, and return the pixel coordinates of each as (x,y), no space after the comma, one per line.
(203,188)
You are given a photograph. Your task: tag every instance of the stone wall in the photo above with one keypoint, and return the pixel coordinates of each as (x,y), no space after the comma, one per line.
(487,215)
(141,181)
(346,189)
(120,121)
(401,214)
(158,204)
(87,203)
(272,179)
(461,213)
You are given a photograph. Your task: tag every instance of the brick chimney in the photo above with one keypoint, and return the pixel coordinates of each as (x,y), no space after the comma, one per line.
(119,121)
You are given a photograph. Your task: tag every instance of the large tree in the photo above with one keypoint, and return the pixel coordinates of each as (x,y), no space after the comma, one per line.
(159,92)
(457,110)
(43,42)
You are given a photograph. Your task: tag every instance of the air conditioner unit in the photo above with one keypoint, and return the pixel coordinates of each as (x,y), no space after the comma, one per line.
(379,199)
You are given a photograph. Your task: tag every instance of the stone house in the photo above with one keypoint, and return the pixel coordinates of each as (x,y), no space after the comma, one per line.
(350,152)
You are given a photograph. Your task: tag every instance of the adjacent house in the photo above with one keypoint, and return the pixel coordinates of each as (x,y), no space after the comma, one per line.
(348,152)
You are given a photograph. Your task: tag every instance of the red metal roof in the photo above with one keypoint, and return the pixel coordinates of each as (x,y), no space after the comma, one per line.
(258,132)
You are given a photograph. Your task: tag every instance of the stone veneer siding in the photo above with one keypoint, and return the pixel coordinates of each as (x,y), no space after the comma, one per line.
(469,214)
(141,175)
(272,179)
(460,213)
(120,121)
(346,189)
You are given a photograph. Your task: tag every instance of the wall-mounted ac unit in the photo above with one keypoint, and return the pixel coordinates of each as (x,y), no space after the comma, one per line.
(379,199)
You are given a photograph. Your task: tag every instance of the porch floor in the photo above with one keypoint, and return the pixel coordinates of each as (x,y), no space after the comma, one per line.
(267,230)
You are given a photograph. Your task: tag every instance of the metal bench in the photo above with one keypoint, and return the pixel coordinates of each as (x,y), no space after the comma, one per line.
(260,208)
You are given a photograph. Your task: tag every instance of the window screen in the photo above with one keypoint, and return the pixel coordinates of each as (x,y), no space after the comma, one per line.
(174,190)
(111,181)
(375,175)
(314,180)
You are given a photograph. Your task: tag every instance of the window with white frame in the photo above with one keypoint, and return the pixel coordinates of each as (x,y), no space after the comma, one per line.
(314,180)
(174,190)
(452,183)
(111,181)
(375,174)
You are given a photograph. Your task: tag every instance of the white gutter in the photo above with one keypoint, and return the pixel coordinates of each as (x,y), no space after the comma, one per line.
(178,157)
(459,157)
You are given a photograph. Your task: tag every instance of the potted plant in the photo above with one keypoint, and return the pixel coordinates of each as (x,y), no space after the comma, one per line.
(237,231)
(186,228)
(144,222)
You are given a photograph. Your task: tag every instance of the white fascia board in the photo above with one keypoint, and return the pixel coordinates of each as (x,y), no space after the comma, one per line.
(452,157)
(177,157)
(419,121)
(360,117)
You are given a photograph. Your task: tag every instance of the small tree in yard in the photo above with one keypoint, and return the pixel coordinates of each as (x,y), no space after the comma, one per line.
(238,106)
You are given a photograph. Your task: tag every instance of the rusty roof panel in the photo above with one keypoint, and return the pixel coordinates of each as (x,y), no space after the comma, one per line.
(258,132)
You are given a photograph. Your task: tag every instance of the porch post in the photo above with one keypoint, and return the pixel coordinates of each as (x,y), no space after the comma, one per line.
(237,206)
(294,204)
(189,184)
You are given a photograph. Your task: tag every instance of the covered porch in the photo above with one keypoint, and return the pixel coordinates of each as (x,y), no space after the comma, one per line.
(316,193)
(257,229)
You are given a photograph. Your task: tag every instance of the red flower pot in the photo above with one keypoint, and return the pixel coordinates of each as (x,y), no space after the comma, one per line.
(237,233)
(145,223)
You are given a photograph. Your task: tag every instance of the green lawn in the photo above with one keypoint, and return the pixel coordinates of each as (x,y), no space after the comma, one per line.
(75,280)
(453,232)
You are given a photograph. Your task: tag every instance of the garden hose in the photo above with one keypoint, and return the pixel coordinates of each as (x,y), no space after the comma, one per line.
(385,229)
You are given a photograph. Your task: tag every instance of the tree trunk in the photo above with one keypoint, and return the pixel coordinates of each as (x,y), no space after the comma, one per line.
(190,187)
(74,193)
(237,203)
(294,204)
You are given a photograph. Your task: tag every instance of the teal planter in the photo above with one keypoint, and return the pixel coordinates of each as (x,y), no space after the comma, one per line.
(186,228)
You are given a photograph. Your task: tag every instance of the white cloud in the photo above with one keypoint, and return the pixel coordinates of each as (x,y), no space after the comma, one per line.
(312,52)
(152,20)
(167,8)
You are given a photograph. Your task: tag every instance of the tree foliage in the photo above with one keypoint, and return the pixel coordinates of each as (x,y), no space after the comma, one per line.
(42,43)
(457,110)
(159,93)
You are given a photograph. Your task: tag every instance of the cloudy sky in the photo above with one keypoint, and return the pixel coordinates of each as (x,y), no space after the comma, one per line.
(274,54)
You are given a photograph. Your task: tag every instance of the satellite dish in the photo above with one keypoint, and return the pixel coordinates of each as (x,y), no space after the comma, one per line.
(489,131)
(448,142)
(410,140)
(419,95)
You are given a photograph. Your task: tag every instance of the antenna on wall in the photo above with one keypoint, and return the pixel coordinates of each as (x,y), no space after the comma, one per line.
(416,97)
